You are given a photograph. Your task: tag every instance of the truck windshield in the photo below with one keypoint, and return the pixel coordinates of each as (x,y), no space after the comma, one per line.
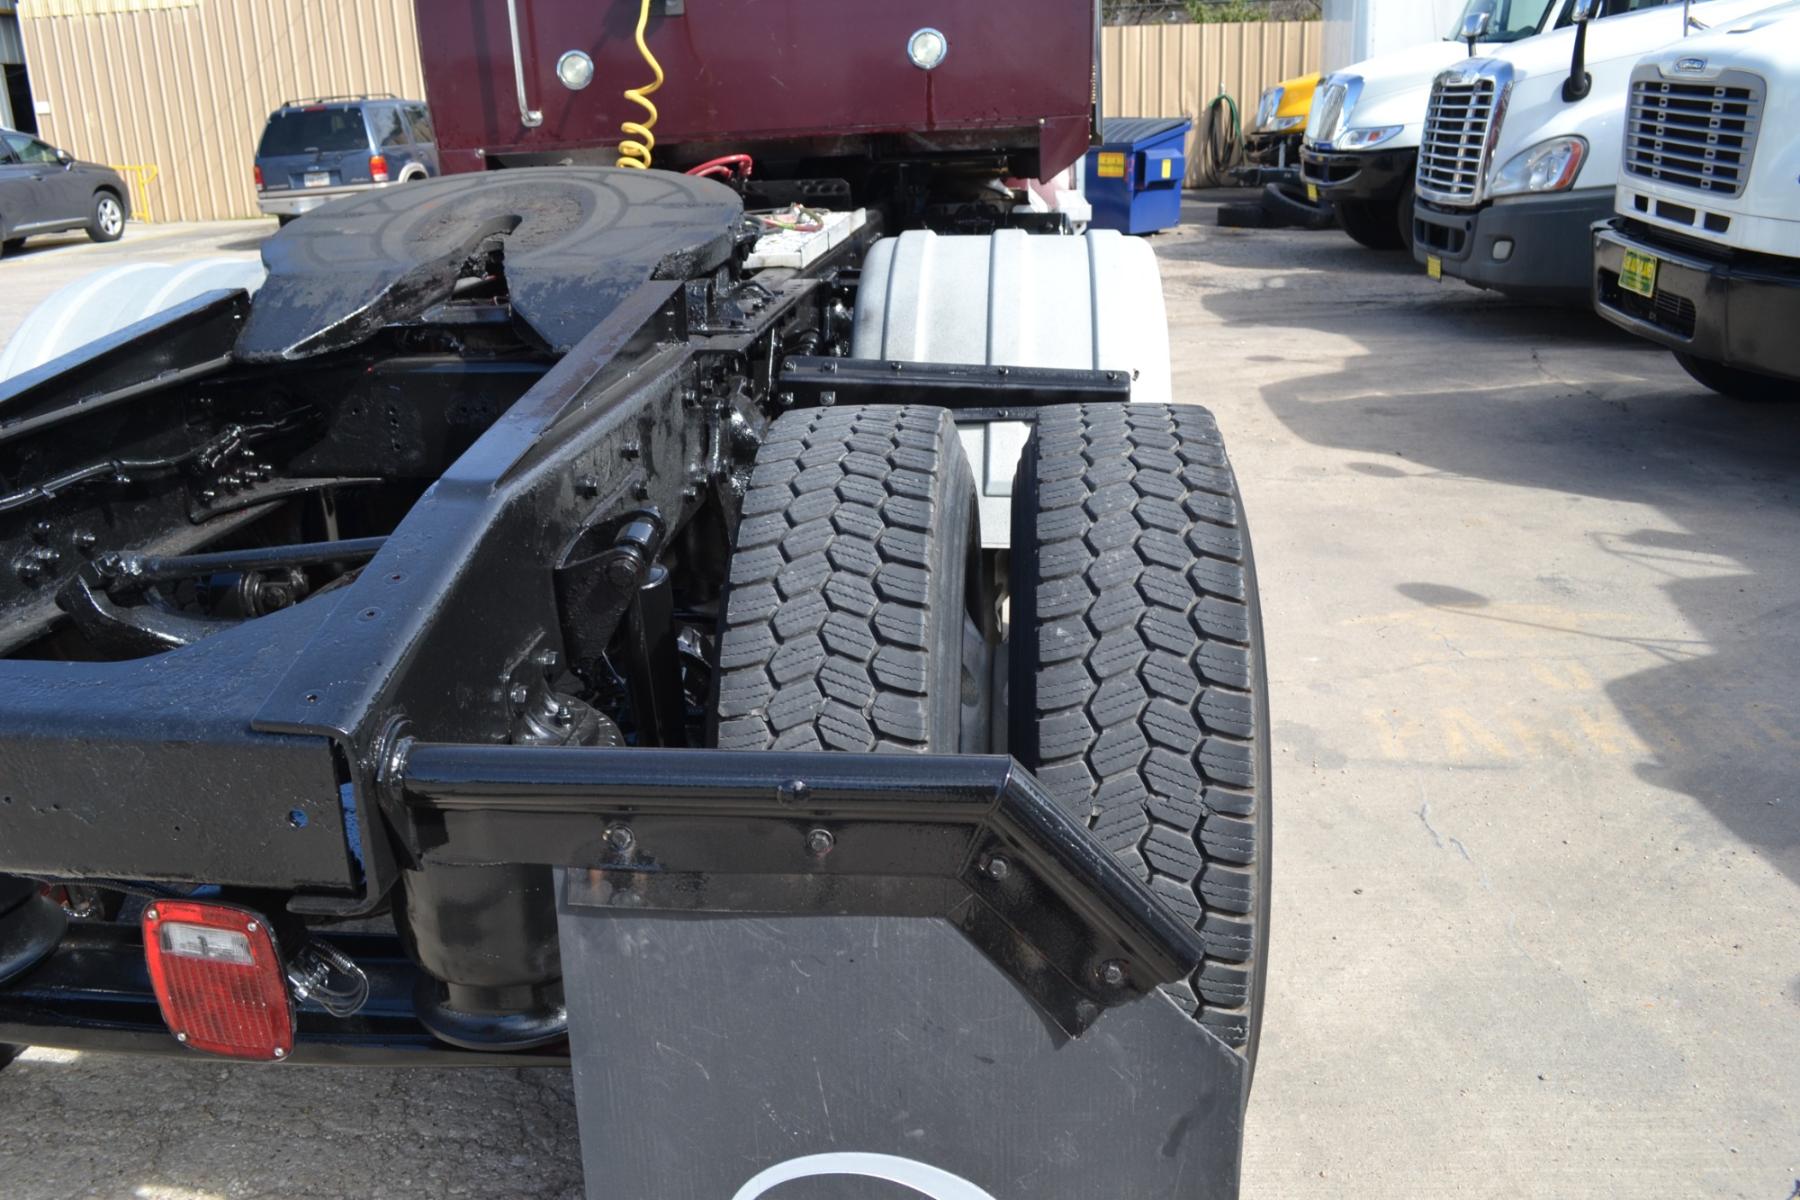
(308,130)
(1516,19)
(1508,20)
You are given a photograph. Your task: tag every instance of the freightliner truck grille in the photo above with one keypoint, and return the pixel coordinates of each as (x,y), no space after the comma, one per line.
(1697,134)
(1466,105)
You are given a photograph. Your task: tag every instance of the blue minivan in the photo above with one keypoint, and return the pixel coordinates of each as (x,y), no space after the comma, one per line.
(316,151)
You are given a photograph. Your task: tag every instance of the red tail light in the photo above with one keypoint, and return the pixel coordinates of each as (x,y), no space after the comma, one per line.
(378,168)
(259,182)
(219,979)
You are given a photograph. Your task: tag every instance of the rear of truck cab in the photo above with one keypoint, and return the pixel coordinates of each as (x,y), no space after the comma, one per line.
(1703,256)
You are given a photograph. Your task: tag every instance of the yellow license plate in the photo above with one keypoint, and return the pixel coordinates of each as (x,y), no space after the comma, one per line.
(1312,192)
(1434,266)
(1638,274)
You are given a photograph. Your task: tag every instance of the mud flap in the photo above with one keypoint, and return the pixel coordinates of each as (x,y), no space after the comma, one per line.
(872,1058)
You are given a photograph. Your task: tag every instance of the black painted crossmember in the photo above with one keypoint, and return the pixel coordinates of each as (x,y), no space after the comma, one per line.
(973,839)
(810,381)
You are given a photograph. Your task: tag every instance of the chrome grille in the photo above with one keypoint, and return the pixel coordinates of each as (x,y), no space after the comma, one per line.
(1697,134)
(1460,120)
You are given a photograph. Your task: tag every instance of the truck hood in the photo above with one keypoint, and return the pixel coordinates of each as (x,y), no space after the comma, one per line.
(1763,215)
(1766,43)
(1627,37)
(1393,91)
(1396,87)
(1537,111)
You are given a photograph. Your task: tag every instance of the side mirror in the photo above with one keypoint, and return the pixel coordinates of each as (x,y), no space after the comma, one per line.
(1580,83)
(65,158)
(1475,27)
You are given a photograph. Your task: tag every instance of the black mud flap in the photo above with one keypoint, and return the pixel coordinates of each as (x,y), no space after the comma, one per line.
(872,1058)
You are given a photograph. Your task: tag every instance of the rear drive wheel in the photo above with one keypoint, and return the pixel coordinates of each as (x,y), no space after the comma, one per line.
(108,221)
(1371,222)
(850,620)
(1139,692)
(1737,382)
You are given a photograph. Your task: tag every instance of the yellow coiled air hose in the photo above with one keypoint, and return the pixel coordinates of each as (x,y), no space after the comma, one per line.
(634,150)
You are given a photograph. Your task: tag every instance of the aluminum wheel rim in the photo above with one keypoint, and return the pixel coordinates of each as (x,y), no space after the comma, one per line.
(112,219)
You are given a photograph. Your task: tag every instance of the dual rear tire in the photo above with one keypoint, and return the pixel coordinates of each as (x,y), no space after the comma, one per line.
(857,620)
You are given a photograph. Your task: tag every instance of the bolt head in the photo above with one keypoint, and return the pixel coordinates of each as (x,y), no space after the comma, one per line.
(180,1036)
(794,791)
(519,693)
(150,914)
(1112,973)
(998,868)
(250,927)
(819,842)
(620,838)
(280,1053)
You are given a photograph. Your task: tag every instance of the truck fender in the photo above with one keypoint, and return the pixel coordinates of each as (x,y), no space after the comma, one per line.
(1015,299)
(107,301)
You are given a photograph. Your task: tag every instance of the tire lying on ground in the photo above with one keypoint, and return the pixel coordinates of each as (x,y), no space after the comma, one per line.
(848,613)
(1286,207)
(1139,691)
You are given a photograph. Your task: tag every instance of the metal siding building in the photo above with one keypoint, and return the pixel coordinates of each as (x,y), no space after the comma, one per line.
(184,86)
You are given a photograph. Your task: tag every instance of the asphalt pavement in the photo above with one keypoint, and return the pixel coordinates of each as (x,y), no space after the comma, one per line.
(1530,605)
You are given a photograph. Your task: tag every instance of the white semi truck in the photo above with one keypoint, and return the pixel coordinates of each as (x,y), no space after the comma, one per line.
(1520,148)
(1363,131)
(1704,254)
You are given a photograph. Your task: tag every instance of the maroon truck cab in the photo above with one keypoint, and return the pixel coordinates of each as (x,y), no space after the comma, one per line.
(800,80)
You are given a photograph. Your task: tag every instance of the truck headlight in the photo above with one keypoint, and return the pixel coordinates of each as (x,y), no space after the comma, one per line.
(1546,167)
(1364,139)
(1265,110)
(1332,103)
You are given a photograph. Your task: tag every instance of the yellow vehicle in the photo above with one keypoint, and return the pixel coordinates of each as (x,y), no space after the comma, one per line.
(1273,139)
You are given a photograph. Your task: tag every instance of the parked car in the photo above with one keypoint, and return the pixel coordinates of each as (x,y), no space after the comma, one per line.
(46,190)
(316,151)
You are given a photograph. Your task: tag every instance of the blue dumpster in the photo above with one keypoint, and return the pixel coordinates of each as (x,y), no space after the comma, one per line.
(1134,176)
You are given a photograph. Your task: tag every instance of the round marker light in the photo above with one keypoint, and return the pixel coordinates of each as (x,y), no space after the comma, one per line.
(575,69)
(927,48)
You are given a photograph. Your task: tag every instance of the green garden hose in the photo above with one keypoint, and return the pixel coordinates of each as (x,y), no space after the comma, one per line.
(1221,144)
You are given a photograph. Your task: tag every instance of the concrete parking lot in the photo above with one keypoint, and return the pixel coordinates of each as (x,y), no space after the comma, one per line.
(44,264)
(1531,608)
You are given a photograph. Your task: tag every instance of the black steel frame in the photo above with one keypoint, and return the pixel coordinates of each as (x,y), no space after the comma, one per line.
(321,751)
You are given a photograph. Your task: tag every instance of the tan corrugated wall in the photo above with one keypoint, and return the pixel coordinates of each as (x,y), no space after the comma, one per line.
(1176,70)
(186,86)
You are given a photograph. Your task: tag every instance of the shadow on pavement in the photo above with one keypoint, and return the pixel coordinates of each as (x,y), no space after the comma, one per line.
(1592,412)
